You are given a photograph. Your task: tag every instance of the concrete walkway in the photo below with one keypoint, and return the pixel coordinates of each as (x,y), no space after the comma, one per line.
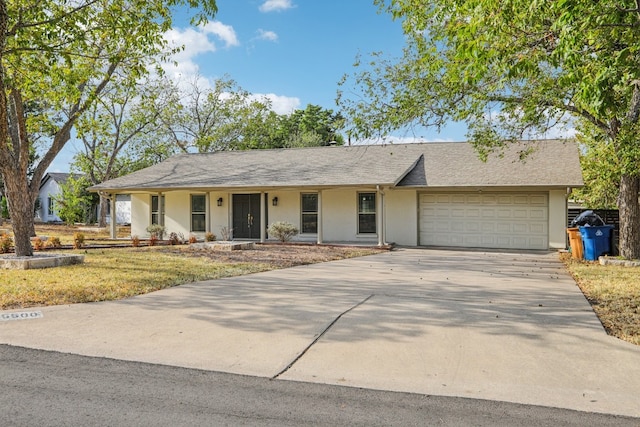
(498,326)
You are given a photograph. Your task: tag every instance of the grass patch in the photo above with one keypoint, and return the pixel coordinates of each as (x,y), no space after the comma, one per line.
(109,274)
(614,294)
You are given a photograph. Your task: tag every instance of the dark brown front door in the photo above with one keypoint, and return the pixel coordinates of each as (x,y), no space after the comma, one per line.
(246,216)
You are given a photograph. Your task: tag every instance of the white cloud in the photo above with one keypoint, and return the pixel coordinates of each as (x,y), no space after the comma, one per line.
(394,139)
(275,5)
(267,35)
(226,33)
(196,41)
(279,103)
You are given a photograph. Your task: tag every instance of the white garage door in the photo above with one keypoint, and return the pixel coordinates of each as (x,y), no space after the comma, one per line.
(485,220)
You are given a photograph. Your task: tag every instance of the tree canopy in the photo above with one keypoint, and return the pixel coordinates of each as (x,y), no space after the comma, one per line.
(513,70)
(56,57)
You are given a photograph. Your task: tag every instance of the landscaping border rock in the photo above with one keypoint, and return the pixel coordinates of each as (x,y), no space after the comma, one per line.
(12,262)
(605,260)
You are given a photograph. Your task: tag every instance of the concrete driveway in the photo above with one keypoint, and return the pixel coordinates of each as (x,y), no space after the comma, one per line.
(499,326)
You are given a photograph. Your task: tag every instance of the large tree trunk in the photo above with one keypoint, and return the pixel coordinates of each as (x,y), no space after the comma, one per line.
(20,203)
(629,208)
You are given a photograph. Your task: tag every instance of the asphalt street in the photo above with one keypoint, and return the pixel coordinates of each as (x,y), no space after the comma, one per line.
(42,388)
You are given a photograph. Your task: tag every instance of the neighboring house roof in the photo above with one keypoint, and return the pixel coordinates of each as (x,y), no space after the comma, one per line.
(58,177)
(554,163)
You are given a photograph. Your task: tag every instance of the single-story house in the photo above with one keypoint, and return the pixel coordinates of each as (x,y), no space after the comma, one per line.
(432,194)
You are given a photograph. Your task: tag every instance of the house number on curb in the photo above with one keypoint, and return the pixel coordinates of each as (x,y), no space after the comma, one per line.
(21,315)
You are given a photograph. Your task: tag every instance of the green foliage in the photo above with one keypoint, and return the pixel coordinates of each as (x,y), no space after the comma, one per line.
(4,209)
(73,204)
(282,231)
(156,230)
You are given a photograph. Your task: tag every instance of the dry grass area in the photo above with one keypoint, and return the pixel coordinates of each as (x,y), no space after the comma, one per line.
(116,273)
(614,294)
(93,235)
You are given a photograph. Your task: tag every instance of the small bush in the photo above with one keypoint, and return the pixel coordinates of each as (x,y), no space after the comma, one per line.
(38,243)
(282,231)
(135,241)
(193,239)
(174,239)
(225,233)
(209,237)
(78,240)
(153,240)
(156,230)
(6,243)
(53,242)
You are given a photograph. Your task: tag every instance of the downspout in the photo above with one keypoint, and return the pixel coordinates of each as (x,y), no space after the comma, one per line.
(114,233)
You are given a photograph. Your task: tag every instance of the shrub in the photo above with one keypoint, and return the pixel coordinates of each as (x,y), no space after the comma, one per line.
(283,231)
(53,242)
(156,230)
(153,240)
(225,233)
(174,239)
(38,243)
(193,239)
(209,237)
(78,240)
(135,241)
(6,242)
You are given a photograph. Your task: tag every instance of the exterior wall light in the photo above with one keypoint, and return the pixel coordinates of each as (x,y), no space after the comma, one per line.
(219,201)
(274,202)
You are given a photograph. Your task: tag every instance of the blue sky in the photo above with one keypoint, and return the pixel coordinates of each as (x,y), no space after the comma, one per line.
(293,51)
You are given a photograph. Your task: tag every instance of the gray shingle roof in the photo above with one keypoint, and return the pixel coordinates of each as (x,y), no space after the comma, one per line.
(555,163)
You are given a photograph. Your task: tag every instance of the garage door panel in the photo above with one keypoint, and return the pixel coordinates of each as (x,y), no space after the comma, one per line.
(498,220)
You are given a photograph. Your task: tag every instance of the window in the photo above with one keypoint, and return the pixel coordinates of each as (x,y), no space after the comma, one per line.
(366,213)
(309,211)
(198,212)
(51,208)
(155,210)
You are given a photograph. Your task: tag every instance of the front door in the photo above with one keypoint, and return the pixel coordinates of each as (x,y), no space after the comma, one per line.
(246,216)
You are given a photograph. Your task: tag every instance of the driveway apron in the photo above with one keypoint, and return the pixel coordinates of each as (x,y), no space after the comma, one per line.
(501,326)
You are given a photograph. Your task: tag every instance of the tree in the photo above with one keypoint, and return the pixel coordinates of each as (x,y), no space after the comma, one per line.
(209,119)
(115,132)
(512,69)
(74,202)
(60,56)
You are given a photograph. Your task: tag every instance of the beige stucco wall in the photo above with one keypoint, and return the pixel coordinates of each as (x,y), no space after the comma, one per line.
(140,214)
(557,219)
(401,216)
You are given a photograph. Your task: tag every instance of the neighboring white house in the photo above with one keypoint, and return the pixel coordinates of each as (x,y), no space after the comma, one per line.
(50,189)
(434,194)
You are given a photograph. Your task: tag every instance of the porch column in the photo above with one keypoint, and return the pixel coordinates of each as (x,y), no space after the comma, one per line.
(263,218)
(380,216)
(114,229)
(319,221)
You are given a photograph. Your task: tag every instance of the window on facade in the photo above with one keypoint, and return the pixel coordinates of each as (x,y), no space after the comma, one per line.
(50,207)
(198,212)
(155,209)
(309,211)
(366,213)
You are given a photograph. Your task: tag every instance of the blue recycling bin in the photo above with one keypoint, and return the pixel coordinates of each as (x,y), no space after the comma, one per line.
(596,241)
